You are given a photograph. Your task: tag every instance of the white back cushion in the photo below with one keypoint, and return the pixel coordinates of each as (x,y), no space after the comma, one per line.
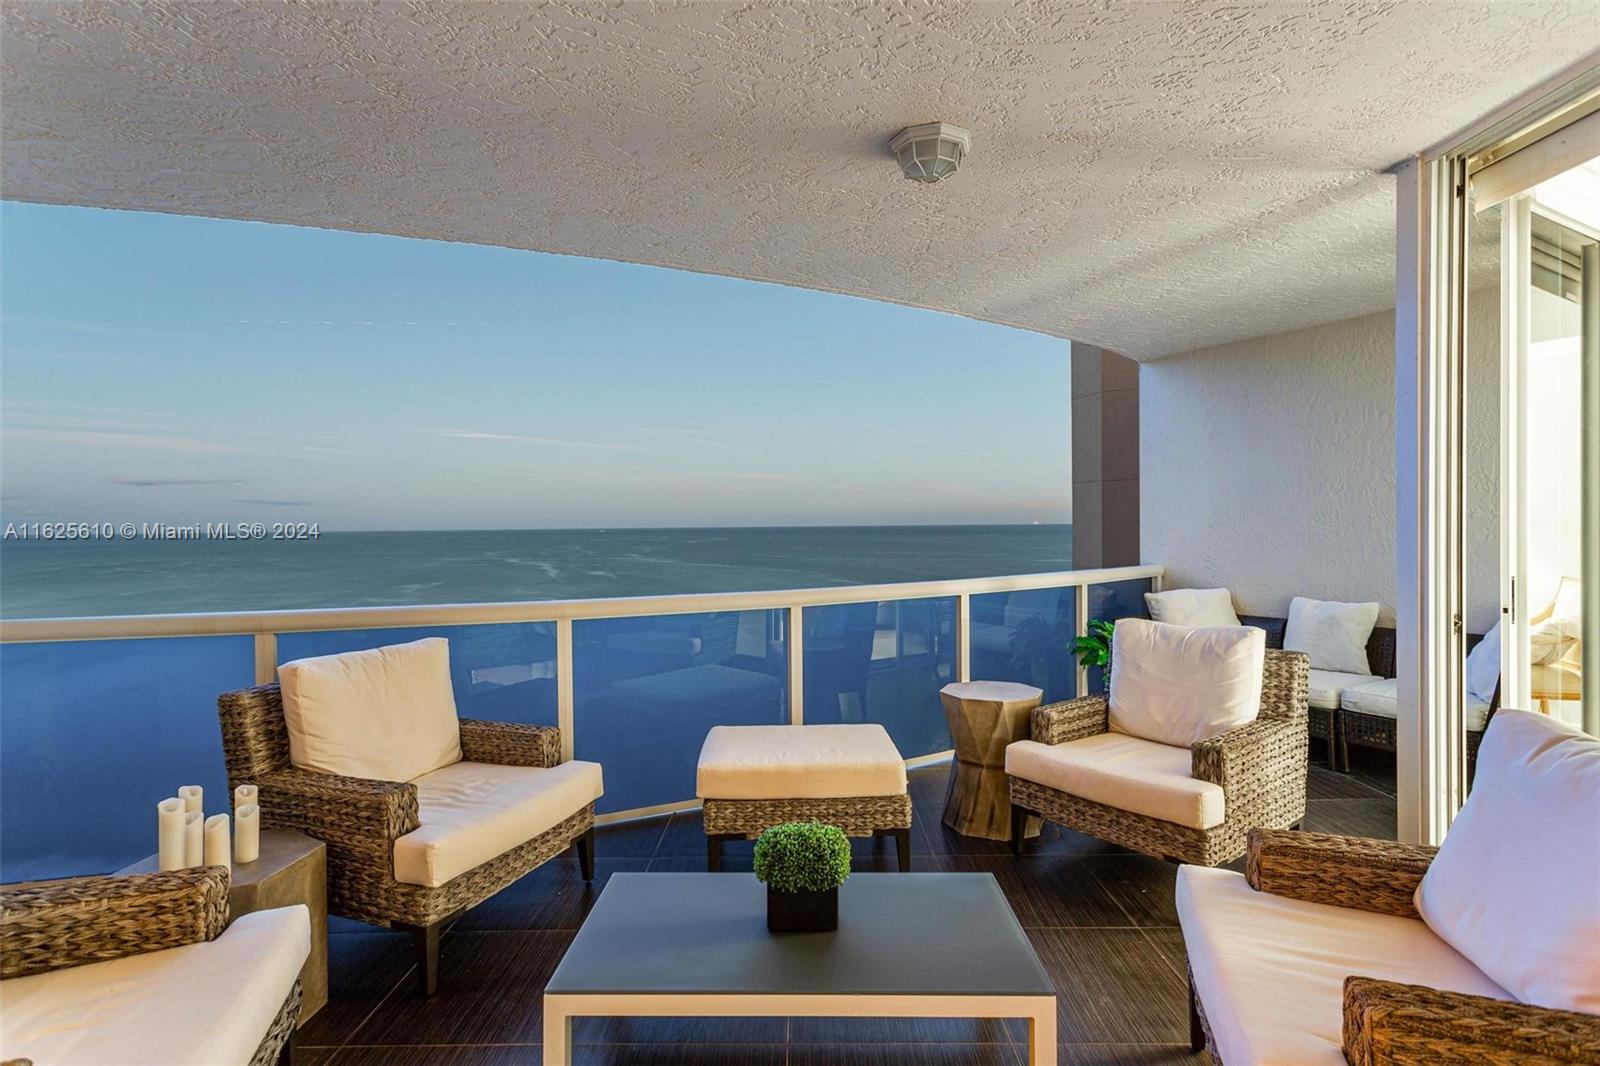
(1516,884)
(1192,607)
(1178,685)
(386,713)
(1334,634)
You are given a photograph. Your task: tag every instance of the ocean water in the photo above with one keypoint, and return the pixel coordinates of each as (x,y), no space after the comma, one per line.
(45,579)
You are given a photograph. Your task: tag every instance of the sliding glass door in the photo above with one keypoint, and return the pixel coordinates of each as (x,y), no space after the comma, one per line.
(1533,299)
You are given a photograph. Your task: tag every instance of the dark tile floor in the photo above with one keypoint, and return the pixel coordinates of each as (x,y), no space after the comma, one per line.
(1101,918)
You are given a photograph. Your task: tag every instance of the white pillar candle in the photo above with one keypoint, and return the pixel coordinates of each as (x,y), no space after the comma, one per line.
(169,834)
(193,838)
(243,795)
(216,842)
(193,797)
(247,833)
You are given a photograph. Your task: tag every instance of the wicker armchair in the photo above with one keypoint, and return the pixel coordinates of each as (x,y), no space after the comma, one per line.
(47,926)
(1390,1022)
(1261,768)
(359,820)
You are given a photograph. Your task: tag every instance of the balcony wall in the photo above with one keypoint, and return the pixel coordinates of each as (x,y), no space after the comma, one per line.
(1268,466)
(103,718)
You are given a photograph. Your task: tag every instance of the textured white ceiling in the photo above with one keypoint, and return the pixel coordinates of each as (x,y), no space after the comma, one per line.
(1149,176)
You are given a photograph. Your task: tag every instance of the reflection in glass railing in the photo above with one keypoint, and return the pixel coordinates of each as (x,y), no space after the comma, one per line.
(647,690)
(502,672)
(1026,636)
(882,662)
(97,732)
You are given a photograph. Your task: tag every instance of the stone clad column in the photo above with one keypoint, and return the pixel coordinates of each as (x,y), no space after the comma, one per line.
(984,717)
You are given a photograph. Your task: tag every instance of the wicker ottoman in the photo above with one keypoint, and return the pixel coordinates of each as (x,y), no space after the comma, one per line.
(753,777)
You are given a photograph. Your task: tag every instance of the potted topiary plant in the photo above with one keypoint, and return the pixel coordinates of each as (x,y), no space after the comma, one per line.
(802,864)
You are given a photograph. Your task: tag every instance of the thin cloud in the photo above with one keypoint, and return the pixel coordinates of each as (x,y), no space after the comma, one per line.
(541,442)
(118,438)
(700,437)
(99,439)
(168,482)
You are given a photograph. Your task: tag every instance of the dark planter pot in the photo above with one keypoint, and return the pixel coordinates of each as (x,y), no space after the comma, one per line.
(802,912)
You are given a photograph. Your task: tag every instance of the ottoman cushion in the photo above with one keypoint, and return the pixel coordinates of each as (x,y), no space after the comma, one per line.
(750,762)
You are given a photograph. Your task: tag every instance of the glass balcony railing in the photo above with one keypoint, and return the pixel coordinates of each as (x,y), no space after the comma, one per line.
(104,717)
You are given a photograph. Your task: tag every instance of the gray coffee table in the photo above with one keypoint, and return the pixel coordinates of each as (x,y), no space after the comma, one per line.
(694,945)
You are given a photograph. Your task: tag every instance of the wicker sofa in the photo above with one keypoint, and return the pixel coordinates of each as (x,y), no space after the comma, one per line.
(360,820)
(1322,719)
(1277,974)
(1342,728)
(1355,728)
(1260,768)
(210,992)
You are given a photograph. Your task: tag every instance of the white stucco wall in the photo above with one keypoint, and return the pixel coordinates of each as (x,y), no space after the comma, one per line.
(1267,466)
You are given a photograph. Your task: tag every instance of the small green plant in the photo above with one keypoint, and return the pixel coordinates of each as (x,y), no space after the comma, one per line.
(1094,648)
(802,857)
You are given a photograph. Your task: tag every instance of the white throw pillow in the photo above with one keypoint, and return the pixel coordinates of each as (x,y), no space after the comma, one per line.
(1334,634)
(1483,666)
(1192,607)
(386,713)
(1516,885)
(1178,685)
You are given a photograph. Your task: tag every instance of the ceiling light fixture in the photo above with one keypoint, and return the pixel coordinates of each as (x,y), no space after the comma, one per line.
(931,152)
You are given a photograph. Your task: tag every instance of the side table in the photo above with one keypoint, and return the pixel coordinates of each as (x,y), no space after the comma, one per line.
(292,868)
(984,717)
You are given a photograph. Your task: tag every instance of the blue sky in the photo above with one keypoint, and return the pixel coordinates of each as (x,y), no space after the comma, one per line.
(167,368)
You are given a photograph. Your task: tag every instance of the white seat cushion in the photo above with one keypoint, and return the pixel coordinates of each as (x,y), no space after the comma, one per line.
(799,762)
(1128,773)
(1515,886)
(383,713)
(1382,698)
(1333,634)
(1270,970)
(1179,685)
(1324,687)
(196,1005)
(471,812)
(1192,607)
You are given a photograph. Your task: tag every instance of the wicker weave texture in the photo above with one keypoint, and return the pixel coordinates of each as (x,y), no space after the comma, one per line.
(510,744)
(857,816)
(1075,719)
(1322,723)
(1205,1024)
(1261,768)
(1380,876)
(1152,836)
(1411,1025)
(359,819)
(52,925)
(281,1029)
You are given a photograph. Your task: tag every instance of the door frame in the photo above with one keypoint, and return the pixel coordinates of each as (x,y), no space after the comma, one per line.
(1430,328)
